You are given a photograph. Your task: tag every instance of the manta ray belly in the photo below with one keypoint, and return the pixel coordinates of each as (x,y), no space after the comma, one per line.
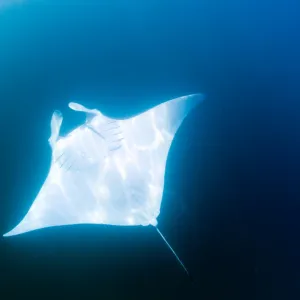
(107,171)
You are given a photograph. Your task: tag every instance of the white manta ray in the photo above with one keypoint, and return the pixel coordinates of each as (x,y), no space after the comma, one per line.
(107,171)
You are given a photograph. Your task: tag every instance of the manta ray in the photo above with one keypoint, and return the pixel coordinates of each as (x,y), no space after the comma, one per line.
(107,171)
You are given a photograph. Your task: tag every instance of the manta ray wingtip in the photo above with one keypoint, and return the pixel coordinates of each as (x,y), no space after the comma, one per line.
(6,234)
(198,97)
(22,227)
(10,233)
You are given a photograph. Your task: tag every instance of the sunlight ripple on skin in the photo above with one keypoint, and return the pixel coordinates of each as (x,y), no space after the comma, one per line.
(107,171)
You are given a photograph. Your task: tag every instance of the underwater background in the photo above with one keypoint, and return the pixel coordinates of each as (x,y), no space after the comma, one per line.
(232,194)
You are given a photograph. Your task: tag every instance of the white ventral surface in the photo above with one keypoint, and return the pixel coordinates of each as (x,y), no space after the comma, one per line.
(107,171)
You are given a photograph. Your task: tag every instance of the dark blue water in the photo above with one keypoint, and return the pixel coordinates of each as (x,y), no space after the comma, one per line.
(231,207)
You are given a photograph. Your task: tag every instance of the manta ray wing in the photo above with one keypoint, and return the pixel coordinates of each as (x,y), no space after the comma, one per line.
(107,171)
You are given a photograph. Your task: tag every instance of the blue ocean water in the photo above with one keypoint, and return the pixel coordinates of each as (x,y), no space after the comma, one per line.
(231,206)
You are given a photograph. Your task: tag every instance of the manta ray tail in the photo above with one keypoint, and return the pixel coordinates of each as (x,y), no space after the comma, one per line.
(178,259)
